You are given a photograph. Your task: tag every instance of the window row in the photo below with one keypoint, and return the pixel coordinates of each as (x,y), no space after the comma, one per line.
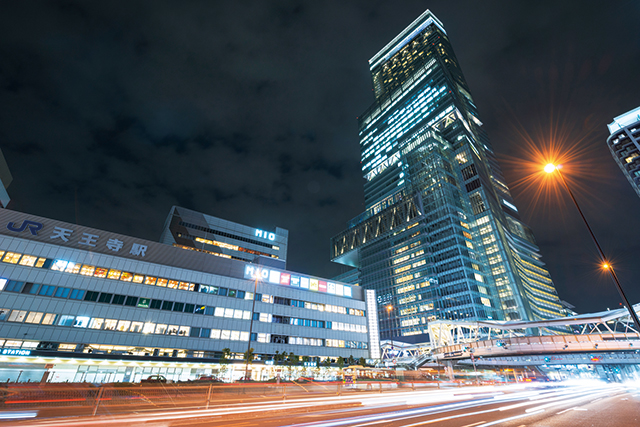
(115,299)
(133,301)
(338,326)
(271,299)
(93,271)
(346,344)
(85,322)
(113,274)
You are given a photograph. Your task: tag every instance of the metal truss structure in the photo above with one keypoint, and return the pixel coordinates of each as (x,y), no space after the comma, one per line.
(455,339)
(374,227)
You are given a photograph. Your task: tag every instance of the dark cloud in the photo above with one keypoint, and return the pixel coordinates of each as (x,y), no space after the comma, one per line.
(111,112)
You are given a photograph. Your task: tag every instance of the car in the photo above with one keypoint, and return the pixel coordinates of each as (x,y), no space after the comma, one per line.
(209,379)
(154,379)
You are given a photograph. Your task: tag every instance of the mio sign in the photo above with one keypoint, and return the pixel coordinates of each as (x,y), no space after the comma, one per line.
(265,235)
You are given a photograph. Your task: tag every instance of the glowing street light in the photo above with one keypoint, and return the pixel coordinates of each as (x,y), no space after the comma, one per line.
(389,310)
(550,168)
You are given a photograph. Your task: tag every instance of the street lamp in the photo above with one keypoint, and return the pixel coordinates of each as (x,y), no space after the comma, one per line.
(389,310)
(550,168)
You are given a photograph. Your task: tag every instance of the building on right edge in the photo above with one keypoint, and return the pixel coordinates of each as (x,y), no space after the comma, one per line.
(5,180)
(441,237)
(624,144)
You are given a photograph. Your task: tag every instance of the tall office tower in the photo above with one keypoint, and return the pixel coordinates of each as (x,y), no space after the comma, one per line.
(440,237)
(624,144)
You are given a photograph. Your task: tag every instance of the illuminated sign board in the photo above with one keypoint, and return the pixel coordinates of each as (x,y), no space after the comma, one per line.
(15,352)
(276,277)
(265,235)
(63,235)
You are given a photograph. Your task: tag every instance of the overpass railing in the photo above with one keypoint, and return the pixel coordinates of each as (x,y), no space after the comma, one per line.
(540,344)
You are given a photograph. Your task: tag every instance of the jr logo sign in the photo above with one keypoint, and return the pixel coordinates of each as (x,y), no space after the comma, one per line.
(33,227)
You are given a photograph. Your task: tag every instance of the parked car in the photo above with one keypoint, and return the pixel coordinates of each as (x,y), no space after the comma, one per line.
(209,379)
(151,379)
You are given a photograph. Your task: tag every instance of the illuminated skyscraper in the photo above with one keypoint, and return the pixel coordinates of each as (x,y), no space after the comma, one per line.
(440,237)
(624,144)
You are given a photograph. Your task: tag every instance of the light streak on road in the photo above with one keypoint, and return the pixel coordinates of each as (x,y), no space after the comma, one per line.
(549,397)
(14,415)
(364,409)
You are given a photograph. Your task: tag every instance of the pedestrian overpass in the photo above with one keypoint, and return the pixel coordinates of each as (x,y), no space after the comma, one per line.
(604,337)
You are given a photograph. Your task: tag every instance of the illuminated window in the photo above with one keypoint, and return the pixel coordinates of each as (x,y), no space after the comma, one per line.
(100,272)
(173,284)
(87,270)
(66,320)
(81,322)
(123,325)
(265,317)
(401,259)
(59,265)
(110,324)
(161,329)
(34,317)
(402,269)
(162,282)
(96,323)
(136,327)
(150,280)
(126,276)
(72,267)
(148,328)
(28,260)
(114,274)
(49,319)
(404,279)
(11,257)
(138,278)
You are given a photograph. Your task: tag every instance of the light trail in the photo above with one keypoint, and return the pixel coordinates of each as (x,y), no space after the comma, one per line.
(553,397)
(444,407)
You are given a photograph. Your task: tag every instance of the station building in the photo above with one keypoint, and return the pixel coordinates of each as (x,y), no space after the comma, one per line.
(80,304)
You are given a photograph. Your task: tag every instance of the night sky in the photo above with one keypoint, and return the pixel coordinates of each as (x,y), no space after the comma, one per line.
(112,112)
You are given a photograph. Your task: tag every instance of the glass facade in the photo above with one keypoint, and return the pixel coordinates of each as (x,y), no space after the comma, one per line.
(624,144)
(441,237)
